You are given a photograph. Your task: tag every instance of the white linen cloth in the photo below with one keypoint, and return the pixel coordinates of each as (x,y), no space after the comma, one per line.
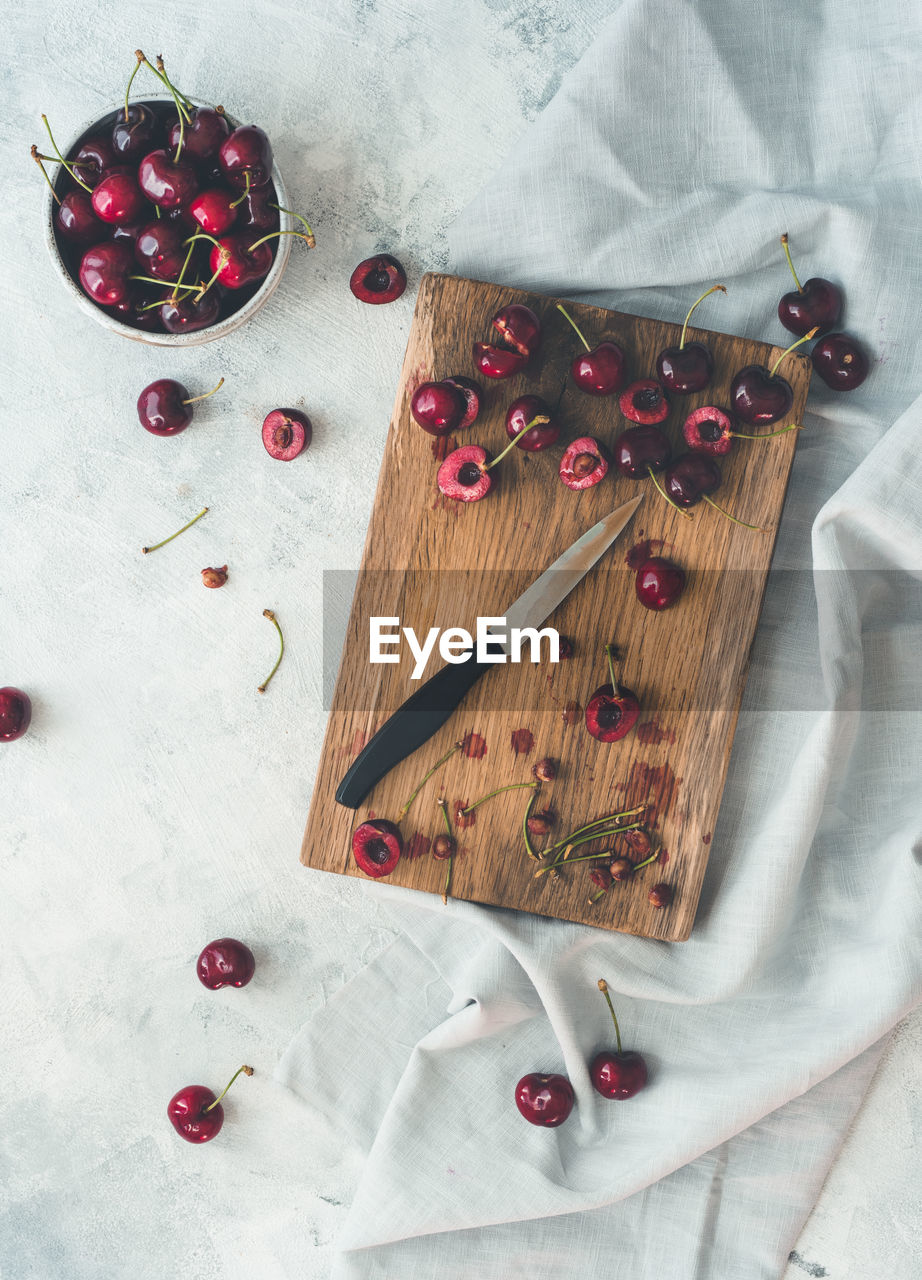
(673,156)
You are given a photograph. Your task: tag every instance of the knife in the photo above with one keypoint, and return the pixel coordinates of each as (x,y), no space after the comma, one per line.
(425,711)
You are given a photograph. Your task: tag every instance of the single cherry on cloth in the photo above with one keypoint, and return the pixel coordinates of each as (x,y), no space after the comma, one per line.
(840,361)
(439,407)
(225,962)
(246,157)
(196,1113)
(599,370)
(165,181)
(76,219)
(689,366)
(531,423)
(286,433)
(15,713)
(612,711)
(118,199)
(644,401)
(520,329)
(815,305)
(376,847)
(104,272)
(760,396)
(544,1100)
(165,406)
(659,583)
(213,210)
(584,464)
(640,450)
(203,135)
(710,430)
(617,1074)
(378,280)
(134,132)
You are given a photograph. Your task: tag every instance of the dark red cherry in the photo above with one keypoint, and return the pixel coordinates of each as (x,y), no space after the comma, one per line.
(518,326)
(376,847)
(438,407)
(190,313)
(246,152)
(92,158)
(659,583)
(286,432)
(840,361)
(688,367)
(545,429)
(76,219)
(213,210)
(611,712)
(584,464)
(239,261)
(690,478)
(133,136)
(118,200)
(378,280)
(497,362)
(163,407)
(15,713)
(640,448)
(473,395)
(104,272)
(463,475)
(644,401)
(136,311)
(599,370)
(760,395)
(196,1113)
(165,182)
(202,138)
(544,1100)
(617,1074)
(159,249)
(815,305)
(257,210)
(225,963)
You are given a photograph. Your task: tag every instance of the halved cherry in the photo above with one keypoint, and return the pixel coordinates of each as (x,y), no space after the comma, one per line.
(498,362)
(519,327)
(376,847)
(584,464)
(286,432)
(644,401)
(473,394)
(463,475)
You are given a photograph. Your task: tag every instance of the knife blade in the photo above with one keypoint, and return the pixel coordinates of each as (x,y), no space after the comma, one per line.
(426,710)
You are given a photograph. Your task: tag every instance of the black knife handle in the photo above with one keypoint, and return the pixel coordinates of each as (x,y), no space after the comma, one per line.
(412,724)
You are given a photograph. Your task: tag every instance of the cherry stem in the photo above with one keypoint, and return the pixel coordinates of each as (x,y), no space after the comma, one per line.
(646,862)
(599,893)
(767,435)
(180,105)
(570,843)
(603,987)
(308,240)
(715,288)
(222,263)
(538,418)
(267,613)
(451,857)
(205,395)
(528,808)
(687,514)
(203,235)
(245,192)
(799,342)
(566,315)
(311,242)
(139,58)
(145,550)
(164,283)
(38,160)
(787,254)
(179,285)
(711,503)
(609,654)
(69,168)
(600,822)
(246,1071)
(513,786)
(438,764)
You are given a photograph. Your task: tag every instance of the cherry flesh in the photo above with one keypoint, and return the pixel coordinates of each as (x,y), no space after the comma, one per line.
(545,430)
(135,134)
(376,847)
(163,409)
(167,183)
(15,713)
(286,433)
(690,478)
(75,218)
(118,199)
(815,305)
(659,583)
(202,136)
(840,362)
(473,395)
(519,328)
(439,407)
(463,476)
(612,711)
(225,962)
(246,153)
(378,280)
(104,272)
(709,430)
(583,464)
(617,1074)
(644,401)
(689,366)
(641,448)
(544,1100)
(213,210)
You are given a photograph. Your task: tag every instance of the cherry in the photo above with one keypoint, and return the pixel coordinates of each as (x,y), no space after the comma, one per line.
(618,1075)
(710,430)
(134,131)
(659,583)
(75,218)
(612,711)
(498,362)
(213,210)
(759,395)
(644,401)
(439,407)
(815,305)
(104,271)
(203,135)
(544,1100)
(640,449)
(139,309)
(473,395)
(599,370)
(518,326)
(117,199)
(196,1114)
(166,182)
(377,280)
(258,208)
(225,962)
(286,432)
(840,362)
(531,412)
(690,478)
(191,313)
(165,406)
(376,847)
(93,157)
(464,475)
(660,895)
(15,713)
(238,260)
(214,578)
(246,157)
(159,249)
(688,367)
(583,464)
(545,770)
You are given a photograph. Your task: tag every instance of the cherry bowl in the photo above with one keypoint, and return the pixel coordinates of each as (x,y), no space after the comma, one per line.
(236,307)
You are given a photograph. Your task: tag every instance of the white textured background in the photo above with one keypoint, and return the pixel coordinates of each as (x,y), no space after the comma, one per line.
(158,801)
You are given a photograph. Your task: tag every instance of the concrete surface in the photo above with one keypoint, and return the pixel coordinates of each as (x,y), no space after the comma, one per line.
(158,801)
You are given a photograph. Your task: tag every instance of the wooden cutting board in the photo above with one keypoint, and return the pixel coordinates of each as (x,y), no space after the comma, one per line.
(434,562)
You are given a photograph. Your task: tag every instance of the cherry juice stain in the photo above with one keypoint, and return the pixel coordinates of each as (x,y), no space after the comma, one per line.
(656,785)
(359,741)
(522,741)
(462,820)
(473,746)
(442,446)
(571,714)
(418,845)
(651,733)
(643,551)
(706,839)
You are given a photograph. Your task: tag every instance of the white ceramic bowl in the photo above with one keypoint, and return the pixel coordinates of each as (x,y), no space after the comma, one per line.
(218,330)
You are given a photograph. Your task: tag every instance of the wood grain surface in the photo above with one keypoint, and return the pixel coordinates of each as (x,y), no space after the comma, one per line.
(435,562)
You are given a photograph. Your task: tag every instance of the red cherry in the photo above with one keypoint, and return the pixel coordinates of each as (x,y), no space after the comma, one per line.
(286,432)
(439,407)
(166,182)
(617,1075)
(378,280)
(688,367)
(196,1114)
(225,962)
(464,475)
(104,271)
(815,305)
(159,248)
(203,136)
(118,199)
(612,711)
(659,583)
(15,713)
(518,326)
(544,430)
(584,464)
(640,449)
(246,157)
(214,211)
(544,1100)
(76,219)
(498,362)
(600,370)
(237,260)
(376,847)
(840,362)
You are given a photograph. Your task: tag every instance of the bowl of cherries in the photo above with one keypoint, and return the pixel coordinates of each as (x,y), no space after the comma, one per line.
(167,219)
